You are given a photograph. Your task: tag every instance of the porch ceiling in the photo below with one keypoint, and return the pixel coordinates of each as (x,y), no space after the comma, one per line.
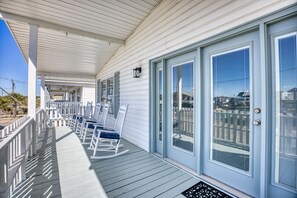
(75,37)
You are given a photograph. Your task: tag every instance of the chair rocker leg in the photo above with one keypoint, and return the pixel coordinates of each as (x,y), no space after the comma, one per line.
(111,149)
(85,136)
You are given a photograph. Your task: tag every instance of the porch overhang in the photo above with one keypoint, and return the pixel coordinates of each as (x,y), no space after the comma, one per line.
(74,38)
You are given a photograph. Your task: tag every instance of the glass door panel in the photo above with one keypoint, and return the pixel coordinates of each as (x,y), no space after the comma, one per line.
(285,163)
(159,107)
(231,106)
(160,103)
(182,106)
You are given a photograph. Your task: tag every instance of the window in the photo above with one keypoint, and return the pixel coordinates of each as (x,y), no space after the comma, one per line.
(103,91)
(108,92)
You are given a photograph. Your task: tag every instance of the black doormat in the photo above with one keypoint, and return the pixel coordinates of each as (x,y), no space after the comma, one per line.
(203,190)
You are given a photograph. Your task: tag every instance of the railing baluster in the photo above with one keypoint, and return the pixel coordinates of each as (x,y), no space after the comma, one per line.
(3,171)
(23,152)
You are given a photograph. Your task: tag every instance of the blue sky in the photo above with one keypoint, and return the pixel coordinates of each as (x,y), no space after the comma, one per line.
(12,63)
(187,77)
(231,73)
(288,63)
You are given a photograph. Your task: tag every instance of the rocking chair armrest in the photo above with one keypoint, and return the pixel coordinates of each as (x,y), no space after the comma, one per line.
(90,121)
(107,130)
(98,124)
(90,124)
(97,127)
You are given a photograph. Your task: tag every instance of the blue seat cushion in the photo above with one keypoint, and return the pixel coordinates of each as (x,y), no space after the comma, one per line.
(110,135)
(90,126)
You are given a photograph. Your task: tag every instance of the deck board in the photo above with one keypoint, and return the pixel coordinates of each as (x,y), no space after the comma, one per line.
(73,174)
(173,192)
(132,172)
(164,187)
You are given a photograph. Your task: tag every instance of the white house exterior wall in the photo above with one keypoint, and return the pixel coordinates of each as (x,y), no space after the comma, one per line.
(88,95)
(172,25)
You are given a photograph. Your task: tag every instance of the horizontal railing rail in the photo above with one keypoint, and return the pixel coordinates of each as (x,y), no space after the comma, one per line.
(17,144)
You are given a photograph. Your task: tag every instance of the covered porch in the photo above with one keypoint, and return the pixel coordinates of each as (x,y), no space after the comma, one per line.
(203,80)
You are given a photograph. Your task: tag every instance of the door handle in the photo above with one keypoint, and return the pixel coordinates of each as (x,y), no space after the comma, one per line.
(257,122)
(257,110)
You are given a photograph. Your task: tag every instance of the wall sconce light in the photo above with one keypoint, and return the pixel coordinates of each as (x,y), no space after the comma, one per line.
(136,72)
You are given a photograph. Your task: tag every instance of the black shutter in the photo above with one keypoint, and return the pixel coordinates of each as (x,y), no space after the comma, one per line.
(116,94)
(98,91)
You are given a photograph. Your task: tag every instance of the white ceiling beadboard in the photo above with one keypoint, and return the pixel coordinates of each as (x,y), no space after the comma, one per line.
(61,52)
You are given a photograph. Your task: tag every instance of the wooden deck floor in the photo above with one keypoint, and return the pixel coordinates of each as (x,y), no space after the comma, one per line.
(63,168)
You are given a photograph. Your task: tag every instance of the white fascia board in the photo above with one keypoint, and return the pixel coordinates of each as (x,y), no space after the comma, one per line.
(49,25)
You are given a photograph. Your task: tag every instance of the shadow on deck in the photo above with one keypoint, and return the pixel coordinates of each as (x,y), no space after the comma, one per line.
(42,170)
(62,168)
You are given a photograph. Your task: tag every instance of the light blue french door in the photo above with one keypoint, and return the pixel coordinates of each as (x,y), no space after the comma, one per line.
(283,109)
(180,133)
(232,84)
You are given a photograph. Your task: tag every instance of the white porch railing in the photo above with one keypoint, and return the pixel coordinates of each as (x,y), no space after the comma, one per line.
(231,128)
(17,144)
(60,113)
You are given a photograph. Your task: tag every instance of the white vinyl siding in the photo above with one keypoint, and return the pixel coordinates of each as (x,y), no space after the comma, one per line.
(171,26)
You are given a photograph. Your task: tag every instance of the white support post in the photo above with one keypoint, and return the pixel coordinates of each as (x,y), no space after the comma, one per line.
(32,64)
(67,96)
(42,92)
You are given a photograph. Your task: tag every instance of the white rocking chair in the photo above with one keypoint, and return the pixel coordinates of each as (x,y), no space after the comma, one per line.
(77,116)
(74,114)
(108,140)
(90,125)
(82,120)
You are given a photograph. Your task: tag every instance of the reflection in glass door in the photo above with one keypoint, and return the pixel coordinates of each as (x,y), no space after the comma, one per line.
(182,106)
(230,142)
